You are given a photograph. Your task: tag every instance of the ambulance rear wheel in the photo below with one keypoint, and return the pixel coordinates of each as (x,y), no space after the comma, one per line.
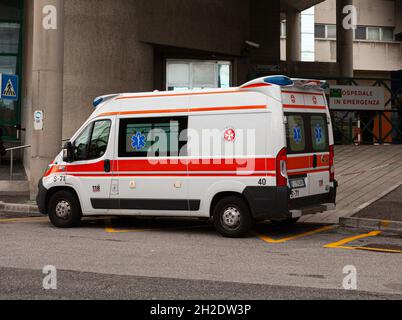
(64,210)
(232,217)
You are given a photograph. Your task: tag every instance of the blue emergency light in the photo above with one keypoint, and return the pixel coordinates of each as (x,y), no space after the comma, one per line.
(279,80)
(97,101)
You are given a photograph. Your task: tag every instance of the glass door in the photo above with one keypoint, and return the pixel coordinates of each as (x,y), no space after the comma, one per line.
(10,63)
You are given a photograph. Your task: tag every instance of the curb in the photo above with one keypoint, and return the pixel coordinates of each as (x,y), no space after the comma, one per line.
(375,199)
(18,209)
(372,224)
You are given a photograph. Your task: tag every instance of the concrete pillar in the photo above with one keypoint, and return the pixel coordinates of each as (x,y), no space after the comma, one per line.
(265,29)
(344,41)
(47,85)
(293,36)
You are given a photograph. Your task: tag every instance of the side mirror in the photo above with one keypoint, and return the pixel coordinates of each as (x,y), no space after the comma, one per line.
(68,152)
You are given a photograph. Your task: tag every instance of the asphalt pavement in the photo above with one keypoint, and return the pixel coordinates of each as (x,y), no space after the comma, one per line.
(187,259)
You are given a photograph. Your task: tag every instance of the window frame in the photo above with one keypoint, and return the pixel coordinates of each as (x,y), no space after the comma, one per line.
(306,134)
(326,31)
(122,131)
(92,126)
(307,128)
(324,116)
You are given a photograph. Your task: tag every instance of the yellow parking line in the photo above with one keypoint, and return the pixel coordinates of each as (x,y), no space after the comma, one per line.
(378,250)
(110,229)
(13,220)
(297,236)
(340,244)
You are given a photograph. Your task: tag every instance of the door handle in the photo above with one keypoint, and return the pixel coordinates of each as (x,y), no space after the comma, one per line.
(315,159)
(106,165)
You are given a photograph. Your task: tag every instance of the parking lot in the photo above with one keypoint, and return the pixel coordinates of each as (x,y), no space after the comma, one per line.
(187,259)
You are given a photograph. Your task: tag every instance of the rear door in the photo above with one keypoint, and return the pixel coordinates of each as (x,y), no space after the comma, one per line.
(308,153)
(319,171)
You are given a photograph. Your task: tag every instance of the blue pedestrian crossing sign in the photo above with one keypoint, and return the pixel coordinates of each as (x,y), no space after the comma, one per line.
(9,87)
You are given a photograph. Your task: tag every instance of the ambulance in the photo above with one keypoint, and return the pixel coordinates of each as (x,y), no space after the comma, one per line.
(261,151)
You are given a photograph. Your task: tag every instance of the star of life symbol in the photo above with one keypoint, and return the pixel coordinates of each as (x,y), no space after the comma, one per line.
(297,134)
(138,141)
(318,134)
(229,135)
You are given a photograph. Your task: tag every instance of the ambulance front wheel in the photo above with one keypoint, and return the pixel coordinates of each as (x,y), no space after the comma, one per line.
(64,209)
(232,217)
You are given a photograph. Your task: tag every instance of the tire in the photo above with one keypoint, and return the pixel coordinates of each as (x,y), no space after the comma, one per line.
(232,217)
(64,210)
(285,222)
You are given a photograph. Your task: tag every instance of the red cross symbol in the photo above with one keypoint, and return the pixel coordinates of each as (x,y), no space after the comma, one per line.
(314,99)
(229,135)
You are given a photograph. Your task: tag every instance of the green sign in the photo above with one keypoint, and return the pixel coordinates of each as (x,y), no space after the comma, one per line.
(335,93)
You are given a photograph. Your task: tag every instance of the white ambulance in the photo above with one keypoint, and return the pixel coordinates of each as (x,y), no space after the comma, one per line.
(261,151)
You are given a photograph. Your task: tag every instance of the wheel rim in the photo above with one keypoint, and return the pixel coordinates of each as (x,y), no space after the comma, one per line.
(231,218)
(63,209)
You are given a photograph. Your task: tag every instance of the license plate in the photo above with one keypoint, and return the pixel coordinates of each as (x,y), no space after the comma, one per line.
(297,183)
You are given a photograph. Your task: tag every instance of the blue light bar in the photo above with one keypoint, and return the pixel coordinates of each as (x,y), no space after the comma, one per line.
(97,101)
(279,80)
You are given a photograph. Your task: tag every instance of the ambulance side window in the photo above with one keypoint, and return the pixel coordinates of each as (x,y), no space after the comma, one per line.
(152,137)
(81,144)
(99,139)
(93,140)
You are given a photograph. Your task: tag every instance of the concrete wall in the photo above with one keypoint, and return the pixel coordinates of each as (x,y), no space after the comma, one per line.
(120,45)
(110,44)
(398,17)
(376,56)
(27,88)
(370,12)
(207,25)
(102,55)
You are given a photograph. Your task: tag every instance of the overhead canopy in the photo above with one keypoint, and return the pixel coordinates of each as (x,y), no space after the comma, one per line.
(298,5)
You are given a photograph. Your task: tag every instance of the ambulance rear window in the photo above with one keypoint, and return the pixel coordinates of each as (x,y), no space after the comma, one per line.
(296,135)
(307,133)
(319,133)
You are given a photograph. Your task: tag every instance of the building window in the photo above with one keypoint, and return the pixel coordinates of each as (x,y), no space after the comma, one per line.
(325,31)
(331,31)
(387,34)
(320,31)
(379,34)
(307,35)
(361,33)
(373,34)
(328,31)
(194,74)
(283,29)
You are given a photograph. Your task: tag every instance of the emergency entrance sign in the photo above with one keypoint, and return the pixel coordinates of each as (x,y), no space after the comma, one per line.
(9,87)
(357,98)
